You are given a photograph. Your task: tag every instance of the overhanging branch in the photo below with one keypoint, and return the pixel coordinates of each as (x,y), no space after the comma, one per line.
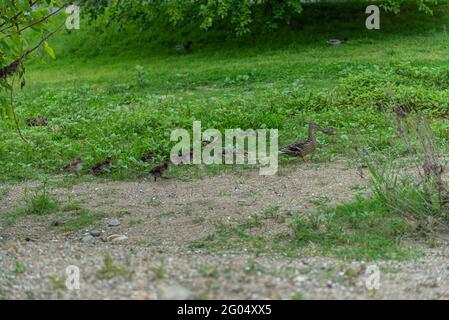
(12,68)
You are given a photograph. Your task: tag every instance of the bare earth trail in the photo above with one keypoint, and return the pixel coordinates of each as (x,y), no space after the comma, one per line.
(159,221)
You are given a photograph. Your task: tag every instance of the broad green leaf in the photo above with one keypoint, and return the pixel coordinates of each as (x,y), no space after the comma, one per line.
(49,50)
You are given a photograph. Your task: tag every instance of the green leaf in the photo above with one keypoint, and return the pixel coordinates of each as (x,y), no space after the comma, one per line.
(49,50)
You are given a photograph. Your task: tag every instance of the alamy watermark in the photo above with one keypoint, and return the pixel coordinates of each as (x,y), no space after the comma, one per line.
(207,147)
(72,281)
(373,20)
(372,281)
(72,22)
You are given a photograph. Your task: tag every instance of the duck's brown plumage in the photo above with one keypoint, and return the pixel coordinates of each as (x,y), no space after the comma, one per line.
(147,157)
(74,166)
(40,121)
(158,172)
(305,147)
(102,166)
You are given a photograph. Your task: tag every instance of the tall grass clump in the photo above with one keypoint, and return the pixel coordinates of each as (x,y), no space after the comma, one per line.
(413,186)
(40,201)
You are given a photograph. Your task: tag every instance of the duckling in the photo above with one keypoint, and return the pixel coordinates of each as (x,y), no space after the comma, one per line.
(40,121)
(303,148)
(147,157)
(158,172)
(74,166)
(185,47)
(100,167)
(336,42)
(56,223)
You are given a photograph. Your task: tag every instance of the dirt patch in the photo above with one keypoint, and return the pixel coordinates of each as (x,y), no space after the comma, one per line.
(160,220)
(175,213)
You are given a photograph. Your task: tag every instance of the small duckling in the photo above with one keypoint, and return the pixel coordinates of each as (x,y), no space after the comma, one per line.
(185,47)
(56,223)
(74,166)
(100,167)
(147,157)
(336,42)
(158,172)
(40,121)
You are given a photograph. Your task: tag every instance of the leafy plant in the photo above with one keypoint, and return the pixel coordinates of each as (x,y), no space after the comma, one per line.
(21,20)
(415,188)
(111,270)
(141,78)
(40,202)
(238,16)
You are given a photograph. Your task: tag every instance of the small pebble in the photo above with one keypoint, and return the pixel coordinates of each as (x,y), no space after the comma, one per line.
(174,292)
(117,237)
(88,238)
(114,223)
(120,238)
(95,233)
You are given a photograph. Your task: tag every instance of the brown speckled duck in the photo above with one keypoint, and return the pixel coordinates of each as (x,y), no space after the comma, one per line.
(101,167)
(305,147)
(158,172)
(39,121)
(148,157)
(74,167)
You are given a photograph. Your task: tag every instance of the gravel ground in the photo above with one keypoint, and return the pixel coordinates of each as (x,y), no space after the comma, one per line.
(147,273)
(146,254)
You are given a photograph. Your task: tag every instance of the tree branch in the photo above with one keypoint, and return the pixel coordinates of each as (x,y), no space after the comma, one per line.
(17,15)
(14,66)
(32,24)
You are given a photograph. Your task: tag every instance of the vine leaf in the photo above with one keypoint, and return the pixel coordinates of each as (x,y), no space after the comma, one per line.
(49,50)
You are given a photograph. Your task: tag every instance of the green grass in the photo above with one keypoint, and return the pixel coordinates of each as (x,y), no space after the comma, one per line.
(121,95)
(362,229)
(111,270)
(57,282)
(21,267)
(106,102)
(4,191)
(81,218)
(38,202)
(160,271)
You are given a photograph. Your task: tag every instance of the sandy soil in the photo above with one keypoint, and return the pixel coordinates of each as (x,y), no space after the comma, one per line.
(160,220)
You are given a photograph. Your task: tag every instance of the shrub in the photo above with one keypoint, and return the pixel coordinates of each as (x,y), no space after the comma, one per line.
(413,187)
(40,202)
(240,16)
